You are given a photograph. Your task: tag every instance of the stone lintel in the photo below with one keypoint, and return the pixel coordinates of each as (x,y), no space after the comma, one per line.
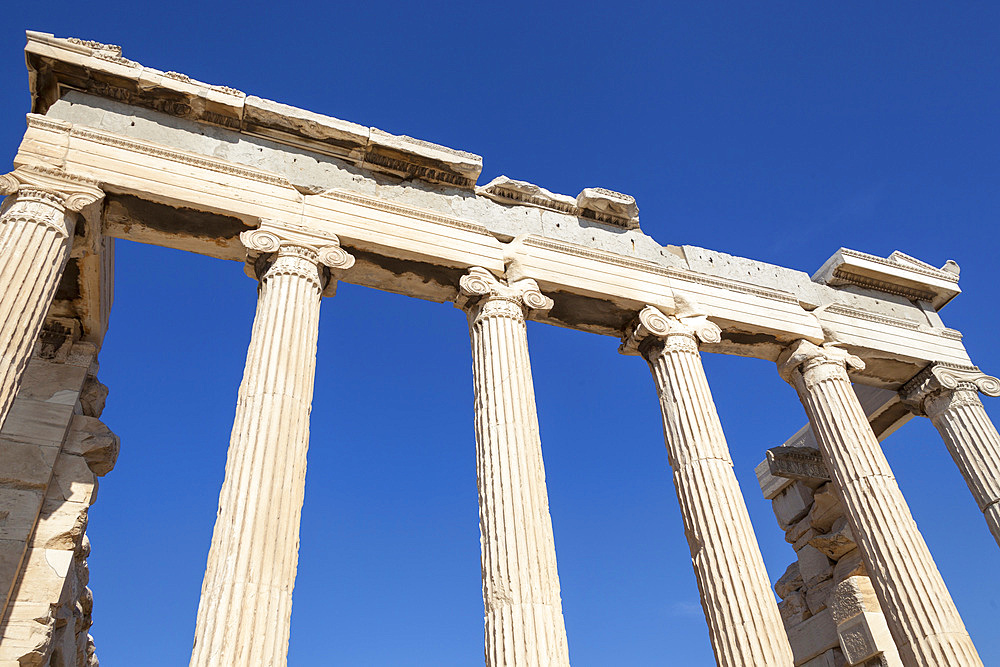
(419,240)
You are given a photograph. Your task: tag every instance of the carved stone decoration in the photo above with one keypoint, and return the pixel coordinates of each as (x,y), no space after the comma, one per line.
(652,322)
(324,249)
(480,287)
(37,222)
(921,615)
(245,608)
(804,463)
(606,206)
(948,395)
(508,190)
(743,620)
(861,626)
(523,609)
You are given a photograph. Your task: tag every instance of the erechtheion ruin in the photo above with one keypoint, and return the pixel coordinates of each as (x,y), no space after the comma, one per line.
(114,149)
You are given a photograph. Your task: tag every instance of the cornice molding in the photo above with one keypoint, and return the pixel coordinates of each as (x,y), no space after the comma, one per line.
(599,204)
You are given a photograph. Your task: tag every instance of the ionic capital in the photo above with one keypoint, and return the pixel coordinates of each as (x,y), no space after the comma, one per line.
(46,185)
(813,363)
(685,331)
(273,240)
(480,292)
(940,379)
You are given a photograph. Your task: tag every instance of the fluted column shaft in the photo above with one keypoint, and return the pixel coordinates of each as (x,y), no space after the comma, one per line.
(37,223)
(948,395)
(246,598)
(523,610)
(743,620)
(922,617)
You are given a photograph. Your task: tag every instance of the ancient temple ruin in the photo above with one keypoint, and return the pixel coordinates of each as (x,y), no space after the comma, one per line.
(114,149)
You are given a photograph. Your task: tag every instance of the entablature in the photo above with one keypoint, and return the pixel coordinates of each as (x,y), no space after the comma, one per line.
(192,182)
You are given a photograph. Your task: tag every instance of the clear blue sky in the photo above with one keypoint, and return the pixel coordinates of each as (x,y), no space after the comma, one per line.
(776,131)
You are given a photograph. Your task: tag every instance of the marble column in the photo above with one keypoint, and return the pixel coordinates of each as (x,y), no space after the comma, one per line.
(743,620)
(948,395)
(523,610)
(246,597)
(37,223)
(922,617)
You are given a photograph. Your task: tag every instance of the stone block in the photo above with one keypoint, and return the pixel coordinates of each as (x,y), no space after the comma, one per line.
(818,597)
(826,508)
(790,581)
(37,422)
(61,524)
(11,552)
(792,504)
(798,529)
(90,438)
(280,120)
(864,637)
(48,381)
(44,575)
(852,596)
(832,658)
(93,396)
(770,485)
(27,633)
(793,609)
(18,512)
(801,463)
(25,464)
(814,566)
(814,636)
(849,565)
(609,206)
(837,543)
(73,479)
(805,538)
(55,341)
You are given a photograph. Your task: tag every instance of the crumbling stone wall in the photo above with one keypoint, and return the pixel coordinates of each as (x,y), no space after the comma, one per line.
(828,605)
(52,449)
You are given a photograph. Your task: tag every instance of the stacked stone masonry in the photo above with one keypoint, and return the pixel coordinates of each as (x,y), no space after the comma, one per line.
(52,449)
(114,149)
(828,568)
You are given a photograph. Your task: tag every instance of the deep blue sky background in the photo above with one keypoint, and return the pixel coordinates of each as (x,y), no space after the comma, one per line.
(777,131)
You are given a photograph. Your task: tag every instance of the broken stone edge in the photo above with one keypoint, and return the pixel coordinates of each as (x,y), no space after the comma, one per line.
(598,204)
(56,65)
